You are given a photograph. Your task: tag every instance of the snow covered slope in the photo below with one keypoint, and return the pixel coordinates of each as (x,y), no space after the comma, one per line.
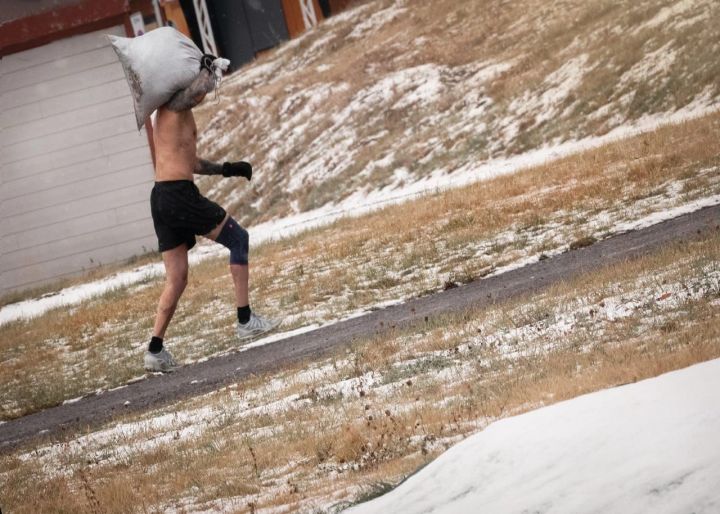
(398,94)
(652,446)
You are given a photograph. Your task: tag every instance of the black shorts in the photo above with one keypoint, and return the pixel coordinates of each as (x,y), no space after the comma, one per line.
(180,213)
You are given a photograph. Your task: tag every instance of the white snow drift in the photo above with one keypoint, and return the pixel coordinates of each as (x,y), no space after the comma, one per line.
(652,446)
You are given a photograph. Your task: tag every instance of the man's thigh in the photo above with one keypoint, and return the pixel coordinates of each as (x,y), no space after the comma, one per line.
(176,263)
(214,233)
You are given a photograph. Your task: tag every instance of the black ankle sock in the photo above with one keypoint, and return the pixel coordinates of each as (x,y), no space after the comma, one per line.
(156,345)
(244,314)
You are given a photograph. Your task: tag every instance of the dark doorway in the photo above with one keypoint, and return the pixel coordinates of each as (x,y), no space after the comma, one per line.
(242,28)
(266,21)
(232,32)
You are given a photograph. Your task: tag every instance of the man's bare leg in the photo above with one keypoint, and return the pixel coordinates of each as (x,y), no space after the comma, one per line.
(176,277)
(235,238)
(241,277)
(214,233)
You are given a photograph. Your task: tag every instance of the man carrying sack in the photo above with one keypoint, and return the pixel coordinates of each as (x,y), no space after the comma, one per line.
(168,73)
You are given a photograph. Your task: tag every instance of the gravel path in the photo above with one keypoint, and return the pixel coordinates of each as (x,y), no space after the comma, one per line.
(158,390)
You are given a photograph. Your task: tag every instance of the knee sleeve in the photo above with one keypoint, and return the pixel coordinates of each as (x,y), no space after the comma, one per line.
(237,240)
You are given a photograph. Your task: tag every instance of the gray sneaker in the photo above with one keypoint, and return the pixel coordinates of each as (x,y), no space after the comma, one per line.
(255,326)
(161,361)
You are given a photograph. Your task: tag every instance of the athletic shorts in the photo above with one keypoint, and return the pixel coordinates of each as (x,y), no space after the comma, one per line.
(180,213)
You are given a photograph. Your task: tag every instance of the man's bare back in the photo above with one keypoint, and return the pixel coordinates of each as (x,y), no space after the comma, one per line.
(175,138)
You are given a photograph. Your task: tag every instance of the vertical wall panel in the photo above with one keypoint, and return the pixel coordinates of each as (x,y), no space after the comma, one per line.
(76,174)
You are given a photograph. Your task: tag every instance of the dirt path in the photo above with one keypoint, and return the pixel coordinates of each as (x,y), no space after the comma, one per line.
(200,378)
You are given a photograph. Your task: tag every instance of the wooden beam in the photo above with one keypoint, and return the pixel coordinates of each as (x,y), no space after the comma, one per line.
(46,27)
(294,17)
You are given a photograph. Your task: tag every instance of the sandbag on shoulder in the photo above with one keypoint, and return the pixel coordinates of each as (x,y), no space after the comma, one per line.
(156,64)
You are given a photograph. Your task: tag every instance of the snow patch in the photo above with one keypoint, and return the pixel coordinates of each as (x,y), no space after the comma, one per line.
(557,88)
(668,13)
(645,447)
(362,203)
(654,64)
(376,21)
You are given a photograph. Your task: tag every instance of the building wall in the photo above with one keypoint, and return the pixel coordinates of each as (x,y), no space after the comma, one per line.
(75,173)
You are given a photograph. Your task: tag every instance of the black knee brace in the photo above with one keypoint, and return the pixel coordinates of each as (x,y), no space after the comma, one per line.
(235,238)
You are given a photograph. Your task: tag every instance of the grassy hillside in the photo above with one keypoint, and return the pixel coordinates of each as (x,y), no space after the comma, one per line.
(433,242)
(383,96)
(322,435)
(356,264)
(394,91)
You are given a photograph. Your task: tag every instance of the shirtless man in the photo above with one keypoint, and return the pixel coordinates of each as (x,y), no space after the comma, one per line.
(180,213)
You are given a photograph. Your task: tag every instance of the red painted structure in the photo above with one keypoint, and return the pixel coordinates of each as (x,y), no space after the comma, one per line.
(60,22)
(71,19)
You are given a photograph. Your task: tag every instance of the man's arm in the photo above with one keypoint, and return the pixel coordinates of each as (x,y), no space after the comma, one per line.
(203,167)
(187,98)
(226,169)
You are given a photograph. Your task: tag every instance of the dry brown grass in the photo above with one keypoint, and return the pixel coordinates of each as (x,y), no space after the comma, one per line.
(397,252)
(336,447)
(630,68)
(323,447)
(329,450)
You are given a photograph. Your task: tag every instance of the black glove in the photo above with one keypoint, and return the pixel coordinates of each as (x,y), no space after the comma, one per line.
(237,169)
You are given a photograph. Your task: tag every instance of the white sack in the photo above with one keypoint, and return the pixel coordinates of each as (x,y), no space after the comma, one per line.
(157,65)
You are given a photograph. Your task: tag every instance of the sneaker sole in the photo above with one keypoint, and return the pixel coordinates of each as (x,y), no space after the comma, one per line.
(159,369)
(155,370)
(253,335)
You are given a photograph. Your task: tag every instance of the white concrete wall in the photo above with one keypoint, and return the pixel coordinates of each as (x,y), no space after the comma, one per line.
(76,174)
